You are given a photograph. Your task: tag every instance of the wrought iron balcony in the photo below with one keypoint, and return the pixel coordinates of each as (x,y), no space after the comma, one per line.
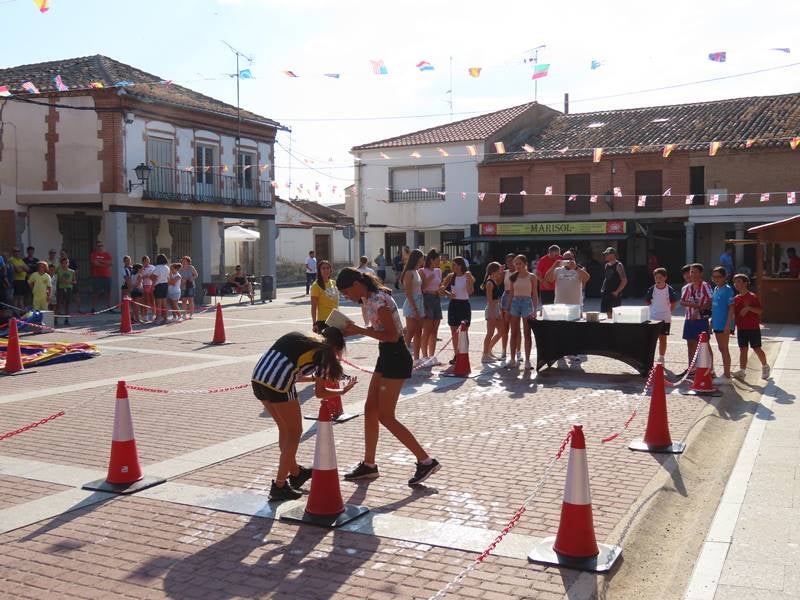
(417,195)
(207,187)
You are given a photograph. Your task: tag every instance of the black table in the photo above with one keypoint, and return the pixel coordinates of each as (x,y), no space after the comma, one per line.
(633,344)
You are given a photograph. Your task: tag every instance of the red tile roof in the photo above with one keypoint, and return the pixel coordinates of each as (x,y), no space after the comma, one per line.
(468,130)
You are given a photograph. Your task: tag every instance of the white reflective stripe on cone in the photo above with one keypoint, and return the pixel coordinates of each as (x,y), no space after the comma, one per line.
(576,488)
(123,423)
(703,357)
(324,452)
(463,342)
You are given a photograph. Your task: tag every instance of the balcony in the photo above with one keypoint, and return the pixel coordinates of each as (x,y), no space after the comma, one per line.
(204,187)
(417,195)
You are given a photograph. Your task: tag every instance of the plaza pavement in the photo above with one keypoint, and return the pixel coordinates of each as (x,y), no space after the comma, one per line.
(209,532)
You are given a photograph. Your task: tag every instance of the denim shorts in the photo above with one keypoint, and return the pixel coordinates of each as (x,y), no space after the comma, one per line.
(521,306)
(408,308)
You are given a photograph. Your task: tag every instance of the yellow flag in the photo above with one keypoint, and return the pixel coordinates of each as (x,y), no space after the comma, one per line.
(475,72)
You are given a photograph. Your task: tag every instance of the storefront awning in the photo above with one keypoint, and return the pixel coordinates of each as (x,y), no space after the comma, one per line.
(539,238)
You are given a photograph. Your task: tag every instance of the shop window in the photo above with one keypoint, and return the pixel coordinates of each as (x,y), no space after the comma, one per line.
(511,186)
(649,183)
(578,185)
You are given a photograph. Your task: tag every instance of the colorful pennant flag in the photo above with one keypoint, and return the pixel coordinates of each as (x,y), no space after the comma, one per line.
(378,68)
(668,150)
(475,72)
(597,155)
(713,199)
(96,85)
(572,198)
(765,197)
(384,155)
(635,148)
(463,195)
(501,199)
(472,149)
(442,194)
(749,143)
(124,83)
(790,198)
(290,73)
(528,148)
(593,198)
(596,64)
(794,142)
(540,71)
(4,92)
(618,192)
(784,50)
(500,147)
(424,65)
(642,201)
(718,56)
(523,193)
(42,5)
(415,154)
(30,88)
(713,147)
(667,192)
(738,198)
(60,84)
(548,191)
(564,149)
(689,199)
(443,152)
(245,74)
(332,75)
(481,196)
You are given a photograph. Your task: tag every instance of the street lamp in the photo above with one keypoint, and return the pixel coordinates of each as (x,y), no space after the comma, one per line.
(142,174)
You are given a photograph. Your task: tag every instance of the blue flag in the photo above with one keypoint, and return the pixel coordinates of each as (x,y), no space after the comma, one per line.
(596,64)
(245,74)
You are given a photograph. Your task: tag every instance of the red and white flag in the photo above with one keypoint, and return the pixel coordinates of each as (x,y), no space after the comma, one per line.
(667,150)
(481,196)
(713,147)
(4,92)
(502,198)
(668,192)
(30,88)
(790,199)
(642,201)
(618,192)
(548,191)
(523,193)
(572,198)
(794,143)
(689,199)
(713,200)
(442,194)
(765,197)
(593,198)
(463,195)
(738,198)
(749,142)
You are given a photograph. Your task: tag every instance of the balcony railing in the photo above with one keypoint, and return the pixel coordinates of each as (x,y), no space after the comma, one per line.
(204,187)
(417,195)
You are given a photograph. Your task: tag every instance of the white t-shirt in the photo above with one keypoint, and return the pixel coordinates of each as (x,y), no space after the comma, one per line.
(162,273)
(366,269)
(311,265)
(569,289)
(144,275)
(660,305)
(175,287)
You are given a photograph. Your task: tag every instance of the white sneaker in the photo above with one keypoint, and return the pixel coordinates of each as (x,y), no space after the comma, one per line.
(419,362)
(765,372)
(512,364)
(740,374)
(721,380)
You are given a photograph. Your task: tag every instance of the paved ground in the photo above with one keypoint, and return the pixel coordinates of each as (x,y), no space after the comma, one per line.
(209,532)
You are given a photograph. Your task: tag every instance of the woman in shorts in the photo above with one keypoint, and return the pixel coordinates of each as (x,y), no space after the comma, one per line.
(188,278)
(160,278)
(136,281)
(391,371)
(505,302)
(174,290)
(147,289)
(296,357)
(492,285)
(458,286)
(432,304)
(524,291)
(413,308)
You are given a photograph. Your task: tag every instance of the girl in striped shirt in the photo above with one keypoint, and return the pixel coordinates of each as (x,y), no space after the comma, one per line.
(296,357)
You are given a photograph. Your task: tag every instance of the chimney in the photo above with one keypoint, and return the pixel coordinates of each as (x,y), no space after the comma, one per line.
(566,103)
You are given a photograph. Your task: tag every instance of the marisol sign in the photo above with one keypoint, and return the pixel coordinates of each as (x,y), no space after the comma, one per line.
(557,227)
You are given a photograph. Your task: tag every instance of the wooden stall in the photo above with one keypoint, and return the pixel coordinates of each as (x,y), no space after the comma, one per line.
(779,293)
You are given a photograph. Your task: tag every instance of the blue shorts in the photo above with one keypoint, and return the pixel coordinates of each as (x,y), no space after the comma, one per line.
(408,308)
(692,328)
(521,306)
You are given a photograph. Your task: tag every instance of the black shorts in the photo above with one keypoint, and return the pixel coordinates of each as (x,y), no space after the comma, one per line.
(266,394)
(547,296)
(394,360)
(749,337)
(136,293)
(21,287)
(433,306)
(665,327)
(609,301)
(458,311)
(64,295)
(160,291)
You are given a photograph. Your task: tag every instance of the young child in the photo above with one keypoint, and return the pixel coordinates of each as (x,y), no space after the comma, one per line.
(493,287)
(174,290)
(747,311)
(722,319)
(696,299)
(40,286)
(662,299)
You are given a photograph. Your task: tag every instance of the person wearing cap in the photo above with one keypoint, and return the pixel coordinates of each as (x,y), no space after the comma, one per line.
(614,281)
(547,289)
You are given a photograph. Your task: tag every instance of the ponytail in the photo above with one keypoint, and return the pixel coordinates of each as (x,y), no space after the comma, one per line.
(349,275)
(491,269)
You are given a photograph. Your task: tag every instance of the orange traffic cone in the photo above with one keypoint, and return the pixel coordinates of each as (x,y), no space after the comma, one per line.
(461,367)
(702,385)
(13,352)
(124,473)
(575,545)
(325,506)
(656,435)
(125,316)
(219,327)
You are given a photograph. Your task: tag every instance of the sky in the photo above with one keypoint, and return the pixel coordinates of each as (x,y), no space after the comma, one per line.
(641,45)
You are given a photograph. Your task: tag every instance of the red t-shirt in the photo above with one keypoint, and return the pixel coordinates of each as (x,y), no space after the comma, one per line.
(542,267)
(104,271)
(750,320)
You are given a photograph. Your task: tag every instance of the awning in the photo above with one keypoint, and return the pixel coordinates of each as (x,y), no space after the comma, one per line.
(540,238)
(241,234)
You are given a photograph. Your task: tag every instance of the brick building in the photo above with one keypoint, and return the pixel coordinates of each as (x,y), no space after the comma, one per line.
(755,155)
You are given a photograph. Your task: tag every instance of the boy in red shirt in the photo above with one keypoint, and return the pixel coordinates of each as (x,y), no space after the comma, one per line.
(747,311)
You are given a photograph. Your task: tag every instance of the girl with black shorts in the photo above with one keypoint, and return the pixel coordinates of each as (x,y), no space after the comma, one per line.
(392,369)
(296,357)
(458,286)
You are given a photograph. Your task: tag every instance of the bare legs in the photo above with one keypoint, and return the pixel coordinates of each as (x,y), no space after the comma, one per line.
(722,344)
(429,330)
(413,334)
(290,426)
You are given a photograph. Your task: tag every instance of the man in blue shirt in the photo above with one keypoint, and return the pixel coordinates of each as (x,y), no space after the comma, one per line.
(722,319)
(726,261)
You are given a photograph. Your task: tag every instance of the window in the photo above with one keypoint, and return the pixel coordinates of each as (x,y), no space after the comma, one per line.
(578,185)
(697,185)
(648,183)
(411,184)
(205,164)
(244,170)
(512,186)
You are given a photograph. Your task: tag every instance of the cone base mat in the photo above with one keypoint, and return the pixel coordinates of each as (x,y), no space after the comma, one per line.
(101,485)
(713,392)
(342,418)
(299,514)
(639,445)
(543,553)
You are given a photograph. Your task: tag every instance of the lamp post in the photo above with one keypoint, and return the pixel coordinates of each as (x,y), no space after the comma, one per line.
(142,174)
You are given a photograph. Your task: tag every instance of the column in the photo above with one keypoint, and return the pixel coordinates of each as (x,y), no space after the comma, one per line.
(739,257)
(411,239)
(115,236)
(267,251)
(202,236)
(689,242)
(221,238)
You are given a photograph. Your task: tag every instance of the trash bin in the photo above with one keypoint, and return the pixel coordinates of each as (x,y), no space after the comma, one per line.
(267,288)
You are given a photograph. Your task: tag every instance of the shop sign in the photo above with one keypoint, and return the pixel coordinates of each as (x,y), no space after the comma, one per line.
(555,228)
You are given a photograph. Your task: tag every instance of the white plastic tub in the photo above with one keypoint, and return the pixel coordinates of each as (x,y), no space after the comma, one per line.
(631,314)
(561,312)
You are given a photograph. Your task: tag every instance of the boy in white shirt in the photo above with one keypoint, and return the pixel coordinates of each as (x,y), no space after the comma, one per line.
(662,299)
